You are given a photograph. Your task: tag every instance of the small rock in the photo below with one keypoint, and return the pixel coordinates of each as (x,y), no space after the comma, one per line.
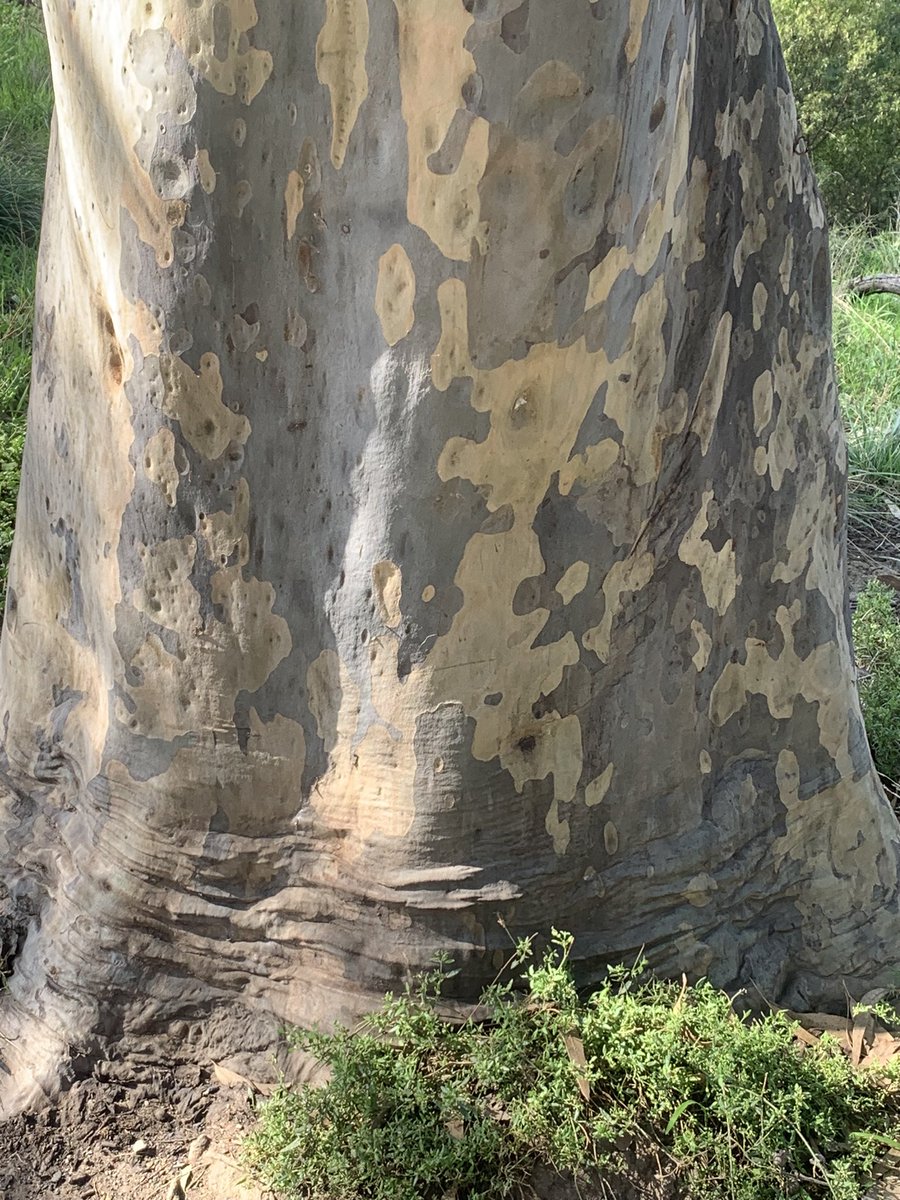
(197,1149)
(141,1149)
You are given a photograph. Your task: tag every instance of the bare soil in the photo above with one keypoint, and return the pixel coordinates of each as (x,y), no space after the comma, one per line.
(150,1135)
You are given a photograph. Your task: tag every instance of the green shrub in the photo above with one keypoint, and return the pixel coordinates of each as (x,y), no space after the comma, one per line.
(867,351)
(876,634)
(644,1071)
(843,57)
(25,103)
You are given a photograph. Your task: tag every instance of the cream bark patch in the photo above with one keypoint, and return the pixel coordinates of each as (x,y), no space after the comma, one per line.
(159,464)
(630,575)
(195,401)
(783,679)
(242,69)
(395,294)
(573,581)
(341,66)
(446,206)
(387,586)
(718,574)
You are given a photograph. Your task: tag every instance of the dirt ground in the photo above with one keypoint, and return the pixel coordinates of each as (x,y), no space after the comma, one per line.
(160,1136)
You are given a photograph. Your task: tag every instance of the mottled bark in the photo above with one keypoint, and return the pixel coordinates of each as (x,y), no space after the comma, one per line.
(433,509)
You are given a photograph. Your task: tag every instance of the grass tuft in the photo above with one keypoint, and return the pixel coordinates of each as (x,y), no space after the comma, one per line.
(876,636)
(725,1107)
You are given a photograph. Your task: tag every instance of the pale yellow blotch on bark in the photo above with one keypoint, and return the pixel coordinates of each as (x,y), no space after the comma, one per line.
(428,593)
(605,274)
(760,460)
(195,401)
(387,584)
(341,67)
(165,593)
(636,16)
(699,889)
(718,576)
(205,172)
(712,387)
(226,532)
(705,762)
(817,679)
(763,398)
(395,294)
(645,426)
(240,72)
(573,581)
(630,575)
(786,266)
(790,384)
(590,467)
(811,545)
(760,299)
(610,838)
(753,238)
(451,358)
(596,790)
(434,65)
(159,464)
(704,645)
(293,202)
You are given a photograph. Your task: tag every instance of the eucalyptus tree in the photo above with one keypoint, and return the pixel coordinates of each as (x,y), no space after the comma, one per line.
(432,513)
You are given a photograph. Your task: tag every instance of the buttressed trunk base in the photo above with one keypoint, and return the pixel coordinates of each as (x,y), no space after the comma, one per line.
(432,509)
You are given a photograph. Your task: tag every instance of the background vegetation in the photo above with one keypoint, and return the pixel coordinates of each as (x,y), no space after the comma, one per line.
(25,103)
(843,58)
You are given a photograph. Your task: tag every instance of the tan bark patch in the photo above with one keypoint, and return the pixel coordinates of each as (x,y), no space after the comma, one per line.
(630,575)
(395,294)
(817,678)
(432,33)
(205,172)
(341,66)
(242,72)
(573,581)
(386,583)
(712,387)
(159,464)
(718,575)
(195,401)
(596,790)
(293,202)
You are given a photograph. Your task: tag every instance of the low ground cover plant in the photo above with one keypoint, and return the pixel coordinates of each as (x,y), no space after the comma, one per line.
(641,1075)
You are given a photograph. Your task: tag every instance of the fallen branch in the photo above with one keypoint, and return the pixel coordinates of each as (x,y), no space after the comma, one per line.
(868,285)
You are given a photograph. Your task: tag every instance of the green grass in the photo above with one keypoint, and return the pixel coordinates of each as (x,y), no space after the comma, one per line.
(642,1072)
(876,635)
(25,104)
(867,353)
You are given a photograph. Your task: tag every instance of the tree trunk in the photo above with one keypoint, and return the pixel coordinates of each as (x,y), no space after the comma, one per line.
(433,509)
(867,285)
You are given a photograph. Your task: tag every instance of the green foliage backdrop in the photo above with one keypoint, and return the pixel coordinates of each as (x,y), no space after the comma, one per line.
(844,61)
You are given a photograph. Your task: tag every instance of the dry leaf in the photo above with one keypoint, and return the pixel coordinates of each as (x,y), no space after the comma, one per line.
(228,1078)
(803,1035)
(575,1051)
(863,1026)
(455,1128)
